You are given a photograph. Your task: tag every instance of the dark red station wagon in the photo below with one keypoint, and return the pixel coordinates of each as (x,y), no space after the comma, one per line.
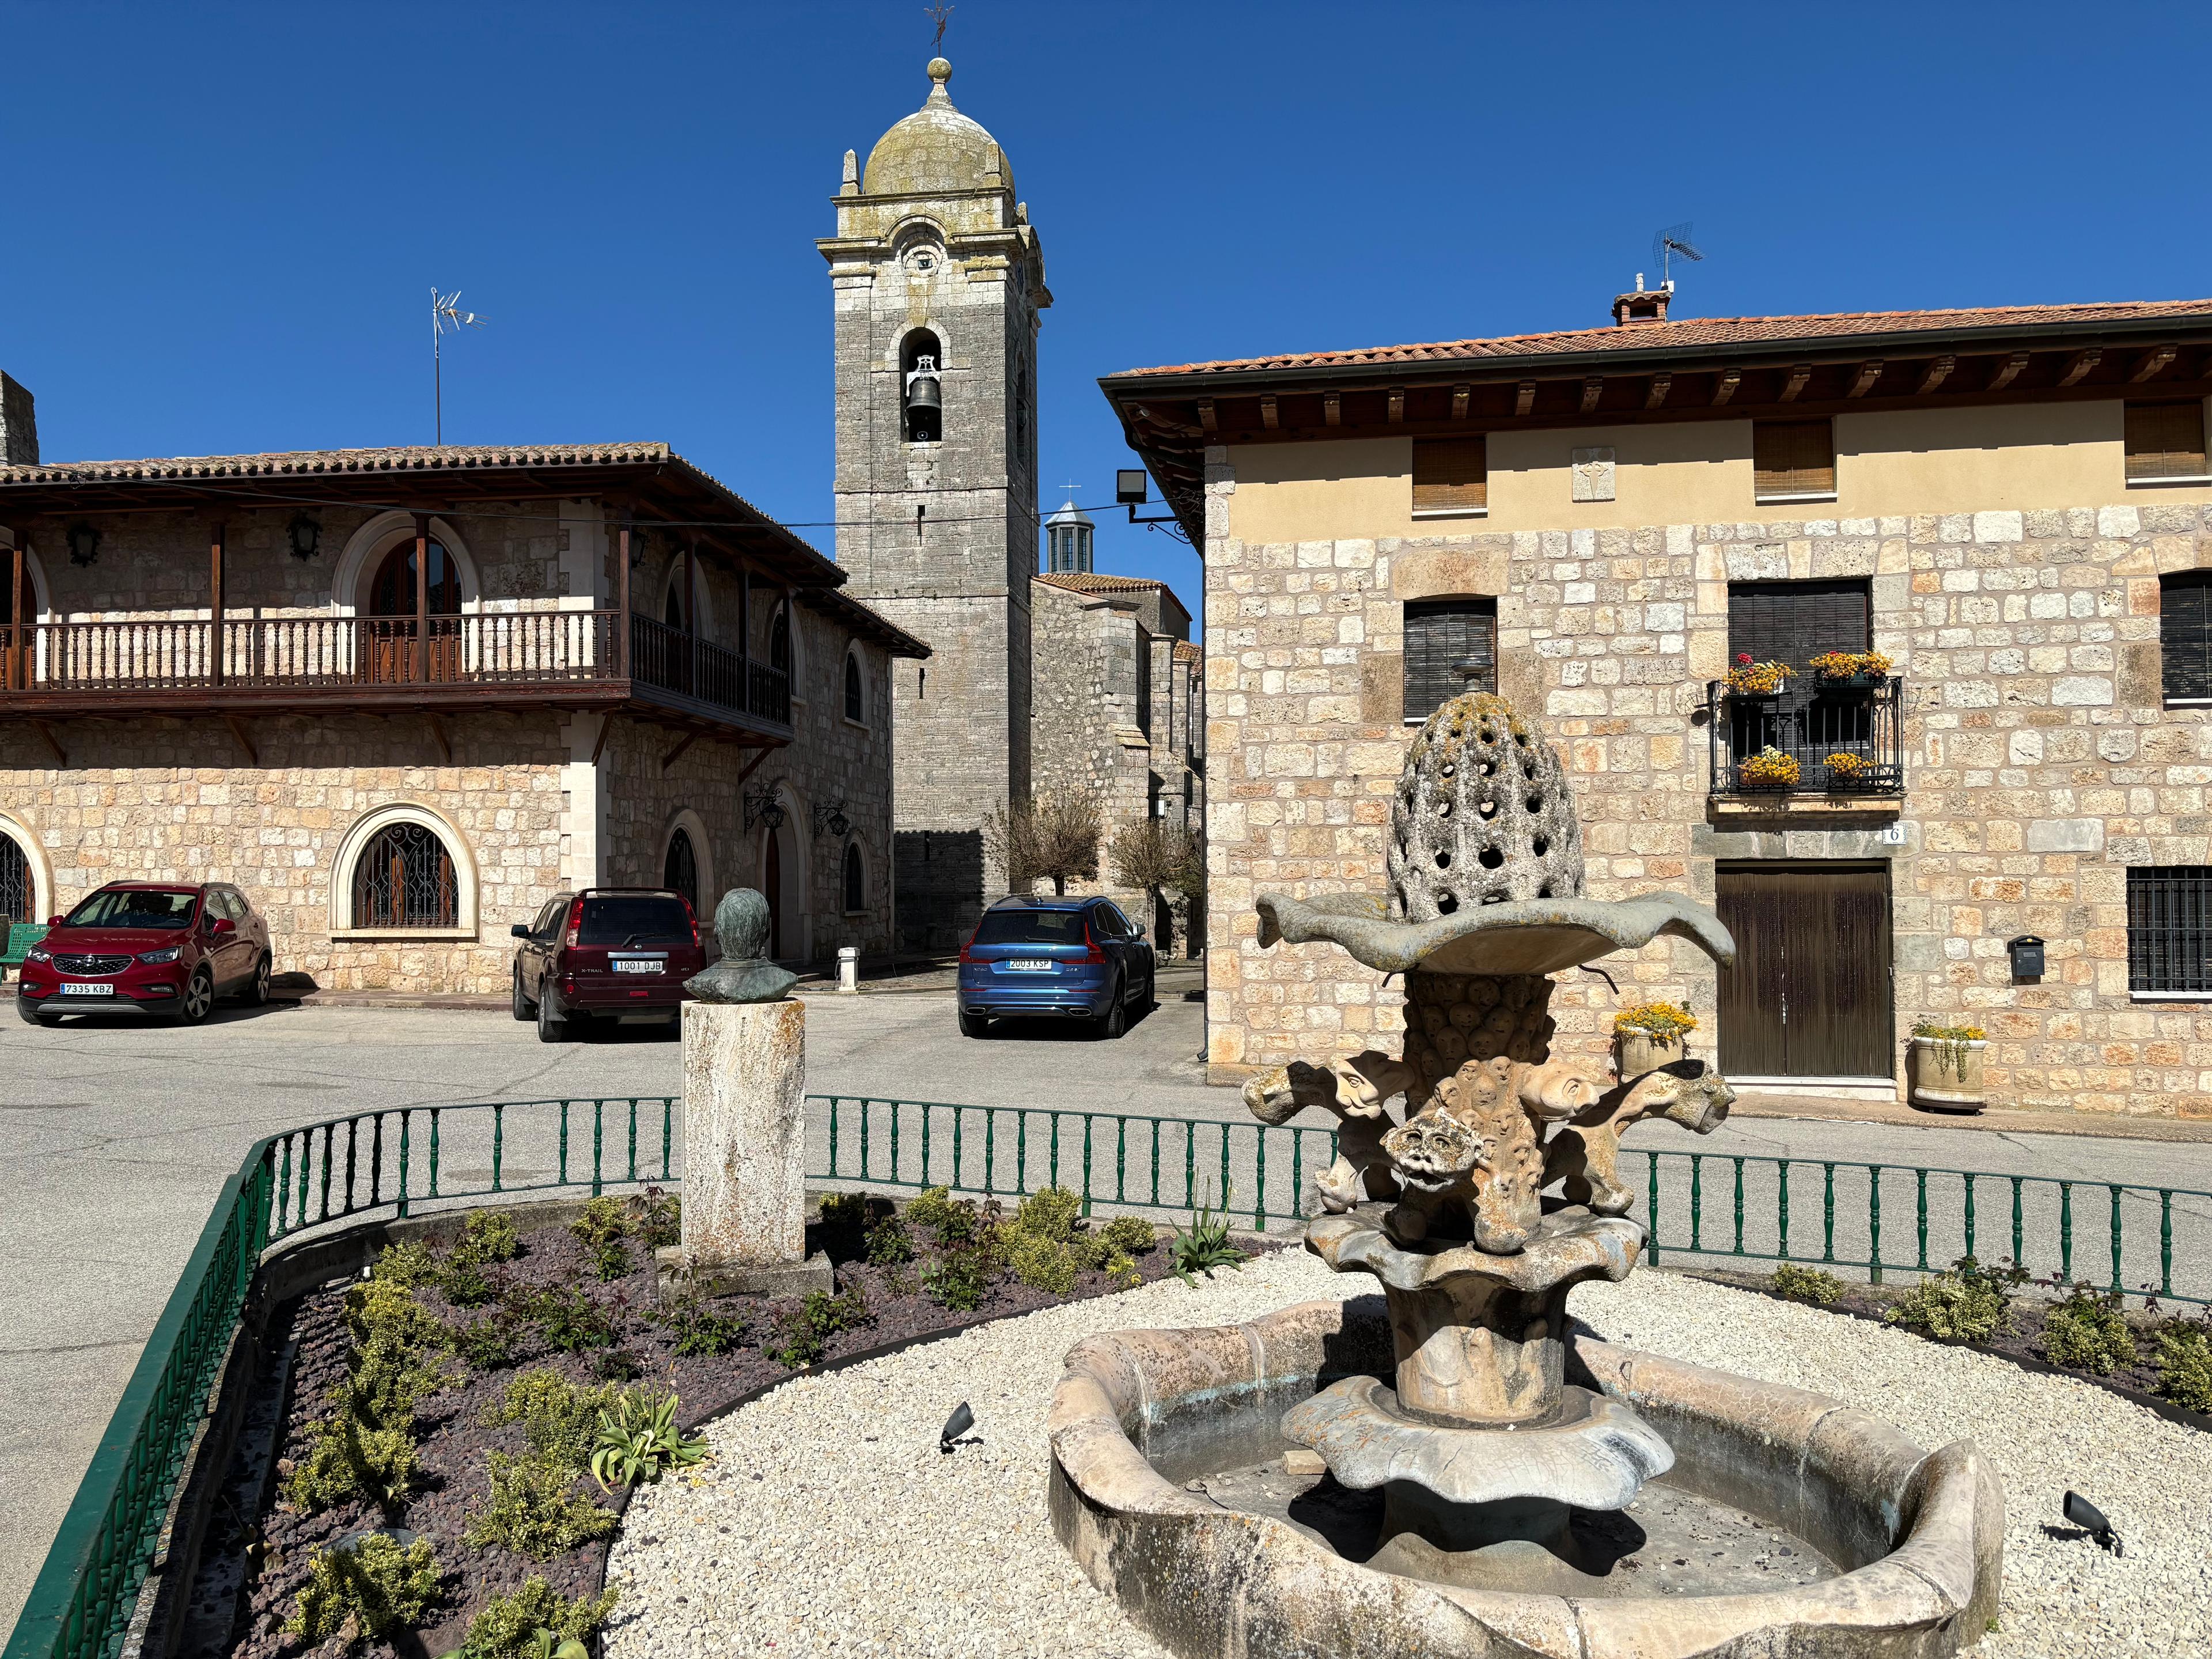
(147,947)
(617,954)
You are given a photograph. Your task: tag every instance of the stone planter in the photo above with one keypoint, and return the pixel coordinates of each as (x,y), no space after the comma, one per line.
(1934,1081)
(1636,1053)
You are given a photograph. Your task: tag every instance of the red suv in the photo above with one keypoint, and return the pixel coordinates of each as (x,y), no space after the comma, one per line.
(620,954)
(148,947)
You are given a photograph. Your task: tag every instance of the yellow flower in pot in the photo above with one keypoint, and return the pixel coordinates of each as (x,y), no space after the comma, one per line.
(1756,679)
(1650,1034)
(1770,768)
(1944,1067)
(1847,770)
(1834,667)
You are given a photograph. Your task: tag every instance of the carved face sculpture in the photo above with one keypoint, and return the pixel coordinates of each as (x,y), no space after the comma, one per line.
(1433,1153)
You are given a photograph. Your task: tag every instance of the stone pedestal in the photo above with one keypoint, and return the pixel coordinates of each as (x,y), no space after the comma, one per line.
(744,1155)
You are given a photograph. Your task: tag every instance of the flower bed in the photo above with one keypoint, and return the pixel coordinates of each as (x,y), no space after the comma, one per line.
(465,1389)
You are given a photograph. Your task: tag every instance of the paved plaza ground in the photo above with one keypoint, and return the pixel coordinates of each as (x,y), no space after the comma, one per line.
(113,1139)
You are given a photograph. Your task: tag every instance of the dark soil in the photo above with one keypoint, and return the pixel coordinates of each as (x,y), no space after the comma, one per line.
(2020,1339)
(278,1545)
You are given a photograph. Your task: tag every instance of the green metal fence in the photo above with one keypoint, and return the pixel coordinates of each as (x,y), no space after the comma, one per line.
(407,1161)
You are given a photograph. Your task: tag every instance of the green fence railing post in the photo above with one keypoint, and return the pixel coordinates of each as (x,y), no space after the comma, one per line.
(2066,1230)
(2164,1242)
(1086,1164)
(2115,1239)
(1697,1200)
(404,1148)
(1782,1226)
(1651,1208)
(1739,1207)
(1828,1213)
(1920,1180)
(2019,1247)
(1970,1213)
(1874,1224)
(599,1145)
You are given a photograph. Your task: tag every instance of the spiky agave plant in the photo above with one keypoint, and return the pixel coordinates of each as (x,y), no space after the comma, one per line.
(639,1441)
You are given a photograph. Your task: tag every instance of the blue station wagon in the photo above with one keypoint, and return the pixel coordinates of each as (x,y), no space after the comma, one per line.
(1066,958)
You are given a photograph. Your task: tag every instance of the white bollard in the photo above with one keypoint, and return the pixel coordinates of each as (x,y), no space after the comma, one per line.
(848,969)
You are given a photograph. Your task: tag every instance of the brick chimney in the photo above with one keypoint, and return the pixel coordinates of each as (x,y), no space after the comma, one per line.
(1644,306)
(19,428)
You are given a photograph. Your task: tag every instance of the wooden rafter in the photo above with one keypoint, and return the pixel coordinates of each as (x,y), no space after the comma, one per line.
(1459,396)
(1730,378)
(1593,389)
(2007,371)
(2153,363)
(1205,415)
(1397,405)
(240,730)
(674,754)
(2079,365)
(1863,381)
(1660,385)
(1524,398)
(754,764)
(1937,373)
(1269,417)
(1799,374)
(599,743)
(52,742)
(1331,408)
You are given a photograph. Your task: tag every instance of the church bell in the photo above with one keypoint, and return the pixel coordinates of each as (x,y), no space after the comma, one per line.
(924,402)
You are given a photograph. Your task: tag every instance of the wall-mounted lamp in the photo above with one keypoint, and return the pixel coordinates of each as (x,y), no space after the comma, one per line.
(83,544)
(830,814)
(1130,492)
(307,535)
(762,807)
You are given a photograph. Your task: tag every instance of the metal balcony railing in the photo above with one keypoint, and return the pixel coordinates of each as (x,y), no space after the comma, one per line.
(1845,740)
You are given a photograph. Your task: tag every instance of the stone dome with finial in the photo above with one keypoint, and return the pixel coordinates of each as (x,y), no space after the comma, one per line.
(936,151)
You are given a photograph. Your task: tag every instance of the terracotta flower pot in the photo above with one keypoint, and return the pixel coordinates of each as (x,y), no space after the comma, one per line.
(1936,1079)
(1638,1052)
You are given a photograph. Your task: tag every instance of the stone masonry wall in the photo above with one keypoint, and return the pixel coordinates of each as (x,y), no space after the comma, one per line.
(2039,765)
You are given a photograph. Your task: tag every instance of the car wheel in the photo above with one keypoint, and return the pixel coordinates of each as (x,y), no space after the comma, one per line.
(1117,1014)
(974,1025)
(524,1008)
(551,1028)
(199,997)
(255,992)
(29,1011)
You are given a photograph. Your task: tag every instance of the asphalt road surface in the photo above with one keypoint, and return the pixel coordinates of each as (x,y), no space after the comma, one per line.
(114,1137)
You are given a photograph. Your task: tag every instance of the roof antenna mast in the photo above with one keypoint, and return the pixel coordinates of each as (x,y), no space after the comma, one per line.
(1668,245)
(445,314)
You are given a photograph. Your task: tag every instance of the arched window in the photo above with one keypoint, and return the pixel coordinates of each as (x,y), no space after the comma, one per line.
(404,878)
(673,614)
(921,387)
(856,886)
(19,894)
(779,640)
(855,704)
(393,593)
(680,869)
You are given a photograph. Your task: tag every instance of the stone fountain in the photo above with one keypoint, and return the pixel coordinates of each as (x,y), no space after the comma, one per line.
(1487,1465)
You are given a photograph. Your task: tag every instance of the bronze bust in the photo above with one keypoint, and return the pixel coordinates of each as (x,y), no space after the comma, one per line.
(745,974)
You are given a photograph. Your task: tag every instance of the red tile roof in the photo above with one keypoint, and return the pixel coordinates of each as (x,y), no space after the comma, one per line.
(1714,332)
(1097,582)
(1185,651)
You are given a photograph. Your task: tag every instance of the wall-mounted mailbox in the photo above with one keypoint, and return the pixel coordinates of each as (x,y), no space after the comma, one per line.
(2026,957)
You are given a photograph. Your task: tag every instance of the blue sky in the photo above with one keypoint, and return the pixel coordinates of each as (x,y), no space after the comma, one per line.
(223,222)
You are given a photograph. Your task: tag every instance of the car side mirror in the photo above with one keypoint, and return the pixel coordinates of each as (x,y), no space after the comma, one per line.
(520,930)
(1140,930)
(222,928)
(53,921)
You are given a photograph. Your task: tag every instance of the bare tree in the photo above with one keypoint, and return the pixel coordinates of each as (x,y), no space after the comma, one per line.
(1053,836)
(1162,858)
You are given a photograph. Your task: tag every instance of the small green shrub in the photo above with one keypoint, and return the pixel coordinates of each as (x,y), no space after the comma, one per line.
(656,1219)
(1205,1246)
(382,1307)
(1806,1284)
(509,1625)
(611,1260)
(890,1242)
(946,1219)
(803,1332)
(406,1265)
(464,1282)
(572,1322)
(613,1365)
(369,1590)
(488,1236)
(1050,1213)
(1043,1264)
(1122,1272)
(602,1220)
(1130,1235)
(490,1344)
(2185,1362)
(845,1217)
(962,1273)
(560,1420)
(533,1512)
(389,1378)
(639,1441)
(349,1461)
(2086,1332)
(1956,1305)
(699,1331)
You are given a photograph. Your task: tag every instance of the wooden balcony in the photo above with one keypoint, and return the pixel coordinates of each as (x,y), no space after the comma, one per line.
(386,665)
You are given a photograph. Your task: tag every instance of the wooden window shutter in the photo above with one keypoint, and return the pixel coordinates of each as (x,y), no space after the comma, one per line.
(2166,440)
(2185,635)
(1792,458)
(1439,634)
(1451,475)
(1794,622)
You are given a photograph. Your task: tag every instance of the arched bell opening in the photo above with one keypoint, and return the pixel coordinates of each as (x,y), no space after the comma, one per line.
(921,390)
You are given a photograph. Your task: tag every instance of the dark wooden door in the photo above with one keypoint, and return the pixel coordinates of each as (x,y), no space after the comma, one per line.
(1809,995)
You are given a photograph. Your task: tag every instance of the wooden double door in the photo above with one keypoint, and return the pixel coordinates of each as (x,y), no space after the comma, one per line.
(1809,995)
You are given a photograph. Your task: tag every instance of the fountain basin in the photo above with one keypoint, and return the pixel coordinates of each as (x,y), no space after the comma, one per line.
(1915,1537)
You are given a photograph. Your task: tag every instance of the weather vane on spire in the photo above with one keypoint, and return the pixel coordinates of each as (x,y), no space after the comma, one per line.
(944,16)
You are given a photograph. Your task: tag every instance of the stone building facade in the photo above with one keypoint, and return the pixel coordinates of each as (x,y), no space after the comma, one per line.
(2029,552)
(522,751)
(937,284)
(1119,714)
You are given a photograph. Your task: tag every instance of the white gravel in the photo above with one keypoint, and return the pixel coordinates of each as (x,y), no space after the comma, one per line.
(828,1522)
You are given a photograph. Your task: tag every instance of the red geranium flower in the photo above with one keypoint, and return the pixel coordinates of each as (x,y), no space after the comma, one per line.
(1743,657)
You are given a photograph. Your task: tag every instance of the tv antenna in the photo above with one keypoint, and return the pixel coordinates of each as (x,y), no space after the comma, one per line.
(1668,245)
(445,314)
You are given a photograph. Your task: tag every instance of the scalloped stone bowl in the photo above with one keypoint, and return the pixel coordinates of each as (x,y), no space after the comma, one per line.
(1911,1538)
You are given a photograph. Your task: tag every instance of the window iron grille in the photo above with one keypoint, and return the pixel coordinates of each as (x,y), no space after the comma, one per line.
(680,869)
(2170,928)
(404,878)
(18,893)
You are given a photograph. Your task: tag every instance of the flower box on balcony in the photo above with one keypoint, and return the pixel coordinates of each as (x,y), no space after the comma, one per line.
(1770,768)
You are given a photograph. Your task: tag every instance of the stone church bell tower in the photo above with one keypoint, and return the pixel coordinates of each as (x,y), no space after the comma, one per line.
(938,280)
